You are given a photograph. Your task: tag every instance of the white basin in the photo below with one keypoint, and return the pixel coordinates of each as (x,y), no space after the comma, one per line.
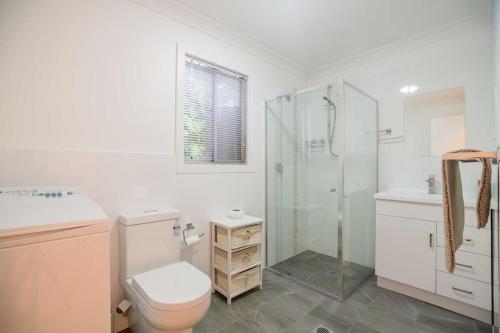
(421,195)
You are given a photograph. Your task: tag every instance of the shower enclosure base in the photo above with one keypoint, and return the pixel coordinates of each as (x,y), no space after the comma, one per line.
(319,272)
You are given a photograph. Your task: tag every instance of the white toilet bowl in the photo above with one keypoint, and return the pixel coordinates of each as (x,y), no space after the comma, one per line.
(168,299)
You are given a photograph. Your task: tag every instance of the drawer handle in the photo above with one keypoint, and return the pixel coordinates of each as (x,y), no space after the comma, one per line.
(464,266)
(469,242)
(462,291)
(431,241)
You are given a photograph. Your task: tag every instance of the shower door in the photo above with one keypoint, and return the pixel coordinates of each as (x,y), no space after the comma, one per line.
(279,186)
(302,187)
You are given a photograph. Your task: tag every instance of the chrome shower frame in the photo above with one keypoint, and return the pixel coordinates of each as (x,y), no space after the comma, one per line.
(340,295)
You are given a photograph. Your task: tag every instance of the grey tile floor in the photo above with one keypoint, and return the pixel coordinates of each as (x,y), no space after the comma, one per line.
(285,306)
(320,270)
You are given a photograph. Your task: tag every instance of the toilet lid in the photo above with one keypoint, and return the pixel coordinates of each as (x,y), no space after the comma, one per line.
(173,287)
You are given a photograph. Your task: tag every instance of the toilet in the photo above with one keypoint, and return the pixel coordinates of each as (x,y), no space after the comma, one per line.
(167,295)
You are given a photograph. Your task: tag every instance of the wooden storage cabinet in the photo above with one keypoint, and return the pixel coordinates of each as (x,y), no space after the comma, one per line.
(236,247)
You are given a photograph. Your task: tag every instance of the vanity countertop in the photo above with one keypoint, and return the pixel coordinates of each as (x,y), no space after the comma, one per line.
(421,196)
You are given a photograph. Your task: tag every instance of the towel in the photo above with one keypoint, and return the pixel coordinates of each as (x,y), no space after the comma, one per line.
(484,195)
(453,205)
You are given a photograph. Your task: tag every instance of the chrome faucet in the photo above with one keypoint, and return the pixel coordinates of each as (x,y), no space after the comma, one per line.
(431,180)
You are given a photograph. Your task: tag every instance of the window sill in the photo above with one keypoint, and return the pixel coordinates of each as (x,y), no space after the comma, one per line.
(183,167)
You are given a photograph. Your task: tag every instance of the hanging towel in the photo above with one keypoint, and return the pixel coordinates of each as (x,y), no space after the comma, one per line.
(453,205)
(484,195)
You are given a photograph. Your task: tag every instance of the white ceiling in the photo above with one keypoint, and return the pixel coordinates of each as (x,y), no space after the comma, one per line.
(316,33)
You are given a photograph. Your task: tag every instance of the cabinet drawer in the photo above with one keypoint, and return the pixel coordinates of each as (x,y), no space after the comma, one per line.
(470,218)
(245,236)
(411,210)
(464,290)
(468,265)
(240,282)
(475,240)
(239,260)
(244,258)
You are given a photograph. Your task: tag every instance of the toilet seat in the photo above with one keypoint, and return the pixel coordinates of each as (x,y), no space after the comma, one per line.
(173,287)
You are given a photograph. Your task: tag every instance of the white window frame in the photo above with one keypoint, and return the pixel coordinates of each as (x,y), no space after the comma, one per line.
(182,166)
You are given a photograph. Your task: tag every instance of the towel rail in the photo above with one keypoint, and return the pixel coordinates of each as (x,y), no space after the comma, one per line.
(469,156)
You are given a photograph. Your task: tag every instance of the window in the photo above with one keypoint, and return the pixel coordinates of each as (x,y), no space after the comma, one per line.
(215,103)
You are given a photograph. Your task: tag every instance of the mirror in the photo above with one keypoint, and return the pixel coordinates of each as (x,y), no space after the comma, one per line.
(435,122)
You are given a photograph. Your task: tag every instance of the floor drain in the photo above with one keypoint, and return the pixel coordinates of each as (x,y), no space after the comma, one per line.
(322,329)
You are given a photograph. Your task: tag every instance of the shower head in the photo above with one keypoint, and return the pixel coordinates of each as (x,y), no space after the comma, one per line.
(328,101)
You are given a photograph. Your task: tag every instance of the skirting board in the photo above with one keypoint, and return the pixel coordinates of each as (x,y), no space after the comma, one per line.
(438,300)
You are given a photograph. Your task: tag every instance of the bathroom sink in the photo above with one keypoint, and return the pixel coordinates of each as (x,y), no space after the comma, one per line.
(409,194)
(421,195)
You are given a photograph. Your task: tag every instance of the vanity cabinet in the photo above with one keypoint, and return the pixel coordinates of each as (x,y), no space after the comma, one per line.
(406,251)
(409,255)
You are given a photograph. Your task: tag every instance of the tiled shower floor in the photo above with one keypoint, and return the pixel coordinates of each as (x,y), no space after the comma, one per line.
(285,306)
(320,271)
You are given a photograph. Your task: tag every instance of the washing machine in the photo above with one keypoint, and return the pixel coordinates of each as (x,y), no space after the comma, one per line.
(54,261)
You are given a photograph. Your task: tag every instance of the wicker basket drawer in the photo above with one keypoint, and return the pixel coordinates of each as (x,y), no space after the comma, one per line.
(221,237)
(240,259)
(245,258)
(240,282)
(246,236)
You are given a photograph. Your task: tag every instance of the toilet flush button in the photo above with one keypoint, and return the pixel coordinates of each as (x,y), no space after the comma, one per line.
(177,230)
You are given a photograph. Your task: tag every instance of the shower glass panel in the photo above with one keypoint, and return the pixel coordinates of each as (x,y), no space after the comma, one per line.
(360,183)
(321,176)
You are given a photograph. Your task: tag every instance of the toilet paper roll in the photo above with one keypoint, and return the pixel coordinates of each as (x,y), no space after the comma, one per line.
(192,240)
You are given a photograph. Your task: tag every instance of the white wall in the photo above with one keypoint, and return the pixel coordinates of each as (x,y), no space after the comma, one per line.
(465,60)
(496,56)
(87,97)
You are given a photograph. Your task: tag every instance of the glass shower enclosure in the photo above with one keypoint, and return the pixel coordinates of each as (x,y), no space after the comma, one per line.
(321,174)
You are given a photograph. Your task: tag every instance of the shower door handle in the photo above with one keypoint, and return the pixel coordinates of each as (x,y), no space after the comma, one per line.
(279,167)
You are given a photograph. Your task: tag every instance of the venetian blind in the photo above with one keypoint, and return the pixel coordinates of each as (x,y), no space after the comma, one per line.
(215,101)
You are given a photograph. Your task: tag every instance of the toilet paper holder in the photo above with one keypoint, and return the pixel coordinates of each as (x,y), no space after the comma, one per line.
(189,226)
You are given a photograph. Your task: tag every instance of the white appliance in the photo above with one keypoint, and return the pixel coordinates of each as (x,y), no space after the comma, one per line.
(54,261)
(167,295)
